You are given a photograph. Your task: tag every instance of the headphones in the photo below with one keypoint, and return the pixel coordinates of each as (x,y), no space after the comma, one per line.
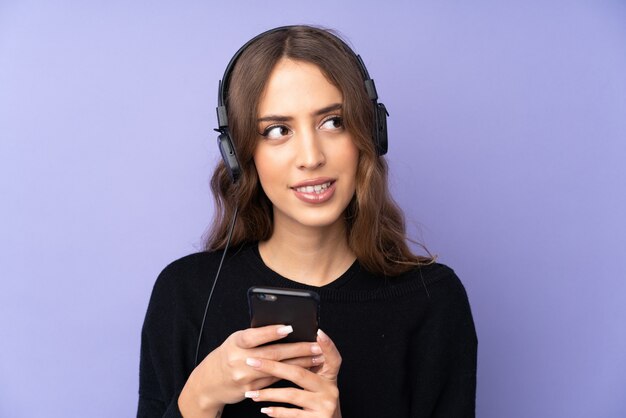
(224,140)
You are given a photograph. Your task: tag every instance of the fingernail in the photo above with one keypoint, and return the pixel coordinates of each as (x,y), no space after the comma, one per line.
(322,335)
(285,330)
(316,349)
(251,394)
(317,360)
(252,362)
(266,410)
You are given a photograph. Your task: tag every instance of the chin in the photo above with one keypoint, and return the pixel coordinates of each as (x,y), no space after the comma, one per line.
(315,219)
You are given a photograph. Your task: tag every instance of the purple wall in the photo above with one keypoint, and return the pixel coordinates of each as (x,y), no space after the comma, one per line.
(508,141)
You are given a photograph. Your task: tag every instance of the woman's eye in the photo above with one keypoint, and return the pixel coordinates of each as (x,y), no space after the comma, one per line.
(275,132)
(335,122)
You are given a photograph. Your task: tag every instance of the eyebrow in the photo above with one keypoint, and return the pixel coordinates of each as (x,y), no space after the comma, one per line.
(279,118)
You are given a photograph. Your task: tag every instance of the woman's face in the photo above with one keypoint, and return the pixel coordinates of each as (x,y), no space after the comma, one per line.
(305,158)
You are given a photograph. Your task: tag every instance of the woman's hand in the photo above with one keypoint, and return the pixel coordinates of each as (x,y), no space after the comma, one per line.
(223,376)
(319,396)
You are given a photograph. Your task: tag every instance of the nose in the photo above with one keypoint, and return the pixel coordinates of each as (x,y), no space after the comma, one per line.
(310,151)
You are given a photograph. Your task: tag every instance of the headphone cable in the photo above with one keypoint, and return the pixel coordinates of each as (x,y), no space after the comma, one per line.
(217,275)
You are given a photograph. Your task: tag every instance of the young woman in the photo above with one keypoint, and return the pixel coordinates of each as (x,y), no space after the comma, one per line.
(314,213)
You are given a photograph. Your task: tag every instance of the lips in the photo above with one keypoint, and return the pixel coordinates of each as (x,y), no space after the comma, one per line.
(314,191)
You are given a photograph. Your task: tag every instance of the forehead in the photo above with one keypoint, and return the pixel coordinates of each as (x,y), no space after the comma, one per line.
(297,86)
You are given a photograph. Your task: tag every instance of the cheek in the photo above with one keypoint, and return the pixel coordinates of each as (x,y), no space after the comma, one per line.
(266,166)
(354,157)
(350,157)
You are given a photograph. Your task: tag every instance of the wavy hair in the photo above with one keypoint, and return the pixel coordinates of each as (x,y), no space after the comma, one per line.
(375,225)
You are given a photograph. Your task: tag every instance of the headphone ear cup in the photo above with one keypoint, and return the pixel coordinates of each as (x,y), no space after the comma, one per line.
(229,156)
(380,127)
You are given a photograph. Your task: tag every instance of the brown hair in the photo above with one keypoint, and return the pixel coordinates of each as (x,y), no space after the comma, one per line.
(375,224)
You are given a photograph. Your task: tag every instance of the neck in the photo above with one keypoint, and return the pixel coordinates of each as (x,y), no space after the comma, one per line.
(313,256)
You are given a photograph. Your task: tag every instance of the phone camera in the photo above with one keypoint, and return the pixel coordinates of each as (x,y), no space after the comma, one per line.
(266,297)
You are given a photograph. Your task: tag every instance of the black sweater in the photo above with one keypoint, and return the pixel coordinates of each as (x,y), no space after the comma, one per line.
(405,353)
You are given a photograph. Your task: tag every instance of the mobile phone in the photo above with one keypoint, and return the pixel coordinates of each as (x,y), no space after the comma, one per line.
(298,308)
